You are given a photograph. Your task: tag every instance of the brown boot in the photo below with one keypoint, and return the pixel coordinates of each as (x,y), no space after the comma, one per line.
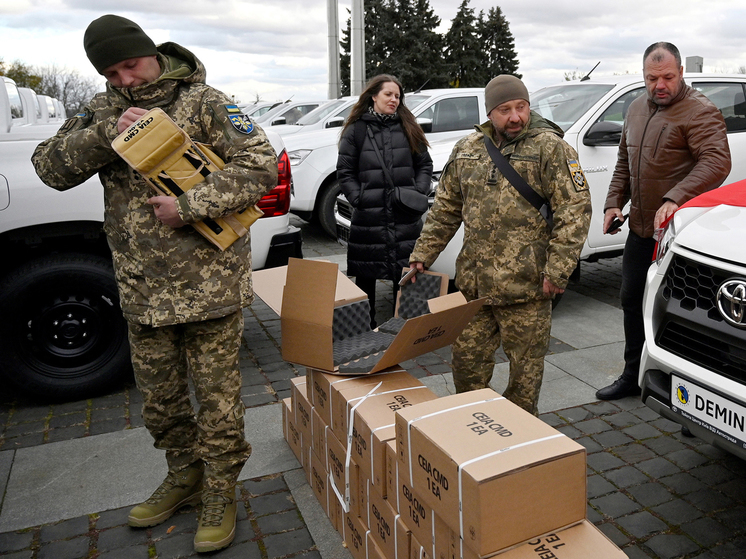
(177,490)
(217,521)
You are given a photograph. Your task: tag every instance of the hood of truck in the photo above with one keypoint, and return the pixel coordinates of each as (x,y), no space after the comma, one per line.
(717,232)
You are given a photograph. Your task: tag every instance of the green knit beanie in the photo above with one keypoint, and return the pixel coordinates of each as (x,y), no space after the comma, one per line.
(111,39)
(502,89)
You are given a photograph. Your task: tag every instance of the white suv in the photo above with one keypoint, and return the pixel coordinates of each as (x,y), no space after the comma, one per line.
(693,368)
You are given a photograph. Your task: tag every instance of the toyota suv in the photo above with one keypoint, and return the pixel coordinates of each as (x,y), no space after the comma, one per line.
(693,368)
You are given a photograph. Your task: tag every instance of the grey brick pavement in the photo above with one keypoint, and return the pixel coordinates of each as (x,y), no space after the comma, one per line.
(653,492)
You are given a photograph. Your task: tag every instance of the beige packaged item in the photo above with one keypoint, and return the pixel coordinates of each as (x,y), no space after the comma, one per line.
(386,527)
(580,541)
(355,535)
(480,461)
(292,435)
(301,407)
(325,333)
(157,148)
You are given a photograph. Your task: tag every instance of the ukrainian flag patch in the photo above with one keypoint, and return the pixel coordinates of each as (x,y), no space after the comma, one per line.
(578,177)
(232,109)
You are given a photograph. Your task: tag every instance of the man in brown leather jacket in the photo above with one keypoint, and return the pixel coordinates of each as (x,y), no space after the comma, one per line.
(673,147)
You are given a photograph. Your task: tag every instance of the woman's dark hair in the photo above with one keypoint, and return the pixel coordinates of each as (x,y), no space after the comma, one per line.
(415,136)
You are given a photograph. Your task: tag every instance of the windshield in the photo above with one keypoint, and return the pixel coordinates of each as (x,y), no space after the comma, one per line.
(565,104)
(320,112)
(411,101)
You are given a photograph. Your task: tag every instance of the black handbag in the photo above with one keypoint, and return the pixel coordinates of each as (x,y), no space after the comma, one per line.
(407,200)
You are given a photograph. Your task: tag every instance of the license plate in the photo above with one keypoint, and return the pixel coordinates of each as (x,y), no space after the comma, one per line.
(709,410)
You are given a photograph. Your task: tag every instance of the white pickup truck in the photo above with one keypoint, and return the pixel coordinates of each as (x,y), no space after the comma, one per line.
(591,113)
(442,113)
(62,335)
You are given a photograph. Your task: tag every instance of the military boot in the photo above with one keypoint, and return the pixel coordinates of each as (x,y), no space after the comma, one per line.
(177,490)
(217,522)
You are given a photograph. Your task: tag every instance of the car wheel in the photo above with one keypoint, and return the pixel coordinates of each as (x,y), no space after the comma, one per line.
(325,209)
(62,334)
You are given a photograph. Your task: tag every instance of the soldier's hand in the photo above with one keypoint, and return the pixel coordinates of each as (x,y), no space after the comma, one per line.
(551,289)
(129,117)
(419,266)
(609,216)
(165,211)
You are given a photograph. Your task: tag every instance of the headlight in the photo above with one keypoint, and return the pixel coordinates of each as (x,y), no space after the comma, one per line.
(664,238)
(298,156)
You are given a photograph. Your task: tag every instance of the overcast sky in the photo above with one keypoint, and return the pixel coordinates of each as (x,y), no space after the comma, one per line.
(278,49)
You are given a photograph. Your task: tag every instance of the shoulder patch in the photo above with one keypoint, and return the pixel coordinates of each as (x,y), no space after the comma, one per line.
(578,177)
(242,123)
(80,120)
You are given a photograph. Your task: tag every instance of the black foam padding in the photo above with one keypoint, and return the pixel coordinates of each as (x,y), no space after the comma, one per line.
(361,346)
(361,366)
(414,296)
(350,320)
(392,326)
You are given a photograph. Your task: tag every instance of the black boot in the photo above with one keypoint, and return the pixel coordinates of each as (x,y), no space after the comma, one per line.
(621,388)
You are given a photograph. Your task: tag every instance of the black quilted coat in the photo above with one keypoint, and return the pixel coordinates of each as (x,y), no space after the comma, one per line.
(381,237)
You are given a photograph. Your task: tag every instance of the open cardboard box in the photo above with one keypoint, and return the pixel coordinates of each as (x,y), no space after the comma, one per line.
(325,319)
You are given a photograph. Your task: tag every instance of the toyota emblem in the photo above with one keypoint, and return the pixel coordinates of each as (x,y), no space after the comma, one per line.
(731,301)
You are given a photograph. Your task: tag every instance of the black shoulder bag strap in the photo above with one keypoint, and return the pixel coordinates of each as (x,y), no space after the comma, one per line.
(380,158)
(534,198)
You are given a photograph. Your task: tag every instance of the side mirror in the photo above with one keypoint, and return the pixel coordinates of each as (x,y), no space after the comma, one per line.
(336,122)
(603,134)
(426,124)
(277,121)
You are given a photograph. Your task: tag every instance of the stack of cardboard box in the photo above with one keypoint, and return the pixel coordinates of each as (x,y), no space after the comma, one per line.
(403,474)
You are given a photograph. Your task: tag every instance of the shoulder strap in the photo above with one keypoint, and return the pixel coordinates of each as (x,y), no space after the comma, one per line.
(533,197)
(380,158)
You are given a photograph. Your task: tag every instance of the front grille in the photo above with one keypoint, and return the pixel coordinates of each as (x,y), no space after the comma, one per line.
(694,285)
(691,325)
(705,349)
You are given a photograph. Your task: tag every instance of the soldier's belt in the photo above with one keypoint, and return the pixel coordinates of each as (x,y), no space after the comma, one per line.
(157,148)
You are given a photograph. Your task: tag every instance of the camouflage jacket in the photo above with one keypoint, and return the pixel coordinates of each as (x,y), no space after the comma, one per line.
(165,275)
(508,247)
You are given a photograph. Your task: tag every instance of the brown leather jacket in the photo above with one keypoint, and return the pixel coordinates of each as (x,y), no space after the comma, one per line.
(672,152)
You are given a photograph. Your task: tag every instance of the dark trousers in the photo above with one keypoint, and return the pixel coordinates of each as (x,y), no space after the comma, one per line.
(638,255)
(368,284)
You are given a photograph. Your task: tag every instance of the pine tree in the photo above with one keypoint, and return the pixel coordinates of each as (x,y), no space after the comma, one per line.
(463,51)
(498,44)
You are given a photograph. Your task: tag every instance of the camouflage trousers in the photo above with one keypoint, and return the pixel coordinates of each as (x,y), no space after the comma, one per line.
(164,359)
(523,331)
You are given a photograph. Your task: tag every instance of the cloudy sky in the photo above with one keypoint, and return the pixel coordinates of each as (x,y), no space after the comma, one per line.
(278,49)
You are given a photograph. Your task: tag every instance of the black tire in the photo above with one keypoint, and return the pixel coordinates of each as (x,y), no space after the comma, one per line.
(62,334)
(325,209)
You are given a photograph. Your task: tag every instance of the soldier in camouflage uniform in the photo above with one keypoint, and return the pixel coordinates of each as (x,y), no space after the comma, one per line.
(181,296)
(510,256)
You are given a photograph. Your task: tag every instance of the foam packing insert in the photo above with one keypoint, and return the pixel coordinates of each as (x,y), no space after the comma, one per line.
(357,348)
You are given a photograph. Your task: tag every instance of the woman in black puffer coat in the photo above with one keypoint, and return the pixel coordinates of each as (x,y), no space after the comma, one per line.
(381,234)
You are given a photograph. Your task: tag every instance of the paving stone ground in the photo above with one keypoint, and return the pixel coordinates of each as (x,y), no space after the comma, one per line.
(653,492)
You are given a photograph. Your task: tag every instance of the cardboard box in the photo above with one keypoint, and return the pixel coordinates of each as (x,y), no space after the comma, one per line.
(480,461)
(291,433)
(581,541)
(355,535)
(319,431)
(301,407)
(310,292)
(419,551)
(387,529)
(344,475)
(374,552)
(319,482)
(345,389)
(374,424)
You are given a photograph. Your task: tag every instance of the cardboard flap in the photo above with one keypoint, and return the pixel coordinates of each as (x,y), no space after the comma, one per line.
(429,332)
(446,302)
(269,286)
(309,292)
